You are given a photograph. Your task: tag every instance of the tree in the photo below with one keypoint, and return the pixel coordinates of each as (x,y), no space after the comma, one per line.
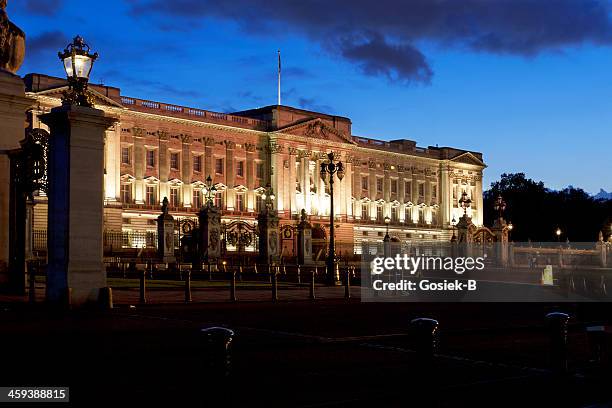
(536,212)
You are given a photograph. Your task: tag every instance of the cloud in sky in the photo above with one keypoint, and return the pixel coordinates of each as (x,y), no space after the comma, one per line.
(41,7)
(385,37)
(45,42)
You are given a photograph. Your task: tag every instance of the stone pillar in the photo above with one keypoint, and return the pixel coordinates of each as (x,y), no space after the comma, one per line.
(139,165)
(500,230)
(307,187)
(186,170)
(13,105)
(112,167)
(230,168)
(269,245)
(446,196)
(208,157)
(478,193)
(292,179)
(304,241)
(76,200)
(164,164)
(165,235)
(209,245)
(387,191)
(250,176)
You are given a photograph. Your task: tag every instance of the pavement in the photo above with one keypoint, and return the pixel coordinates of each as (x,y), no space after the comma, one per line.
(330,352)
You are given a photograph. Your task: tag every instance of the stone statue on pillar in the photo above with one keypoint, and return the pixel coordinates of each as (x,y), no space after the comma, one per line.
(165,235)
(304,240)
(12,43)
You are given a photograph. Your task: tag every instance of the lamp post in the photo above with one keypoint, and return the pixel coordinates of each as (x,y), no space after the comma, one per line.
(465,203)
(209,191)
(330,168)
(510,228)
(500,206)
(268,197)
(454,225)
(558,234)
(78,63)
(387,239)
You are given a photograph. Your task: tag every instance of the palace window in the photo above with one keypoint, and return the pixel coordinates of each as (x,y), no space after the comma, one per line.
(197,198)
(219,166)
(394,186)
(408,215)
(197,163)
(379,213)
(421,191)
(365,213)
(259,170)
(174,161)
(408,190)
(421,216)
(394,216)
(219,200)
(240,202)
(240,169)
(379,185)
(125,155)
(434,192)
(174,197)
(150,158)
(126,193)
(364,182)
(151,195)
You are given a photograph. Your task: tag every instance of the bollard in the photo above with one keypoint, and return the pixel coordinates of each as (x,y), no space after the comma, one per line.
(233,287)
(143,287)
(32,281)
(426,336)
(347,285)
(105,298)
(217,351)
(312,285)
(299,275)
(557,330)
(275,285)
(596,336)
(188,286)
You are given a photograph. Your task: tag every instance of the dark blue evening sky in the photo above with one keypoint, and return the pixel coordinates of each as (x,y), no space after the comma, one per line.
(527,84)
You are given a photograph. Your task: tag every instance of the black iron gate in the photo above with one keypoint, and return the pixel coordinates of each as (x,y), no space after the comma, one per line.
(28,175)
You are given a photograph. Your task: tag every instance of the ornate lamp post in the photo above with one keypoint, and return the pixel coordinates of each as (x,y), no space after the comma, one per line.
(268,197)
(500,206)
(329,168)
(465,203)
(510,228)
(209,191)
(558,234)
(78,63)
(387,239)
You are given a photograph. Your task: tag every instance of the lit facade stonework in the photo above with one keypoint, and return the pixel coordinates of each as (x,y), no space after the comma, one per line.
(161,150)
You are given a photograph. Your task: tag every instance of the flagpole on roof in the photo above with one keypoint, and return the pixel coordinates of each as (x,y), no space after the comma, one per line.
(279,77)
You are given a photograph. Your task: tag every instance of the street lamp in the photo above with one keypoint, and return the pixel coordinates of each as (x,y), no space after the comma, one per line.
(209,191)
(454,225)
(465,203)
(78,63)
(500,206)
(387,237)
(330,168)
(510,228)
(268,197)
(558,233)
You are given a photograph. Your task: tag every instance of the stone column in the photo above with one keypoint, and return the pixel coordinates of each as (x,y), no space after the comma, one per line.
(306,184)
(387,190)
(112,182)
(139,165)
(292,179)
(208,157)
(230,169)
(478,193)
(401,194)
(76,200)
(250,176)
(164,164)
(446,195)
(13,105)
(186,170)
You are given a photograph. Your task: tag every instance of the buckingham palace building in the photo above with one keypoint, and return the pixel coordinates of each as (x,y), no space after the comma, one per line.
(162,150)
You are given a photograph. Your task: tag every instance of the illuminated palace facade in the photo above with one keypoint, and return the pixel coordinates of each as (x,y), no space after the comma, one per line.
(162,150)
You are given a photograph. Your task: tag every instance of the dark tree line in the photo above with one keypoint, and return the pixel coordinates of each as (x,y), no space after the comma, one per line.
(536,211)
